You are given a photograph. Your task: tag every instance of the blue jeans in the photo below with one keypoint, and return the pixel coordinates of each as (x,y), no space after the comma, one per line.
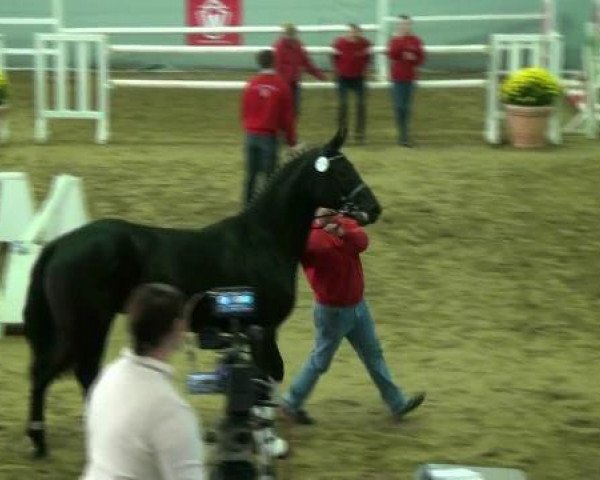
(402,93)
(261,158)
(358,86)
(333,324)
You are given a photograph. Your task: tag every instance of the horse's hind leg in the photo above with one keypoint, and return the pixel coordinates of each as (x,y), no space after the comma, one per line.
(44,370)
(45,365)
(54,343)
(39,384)
(91,349)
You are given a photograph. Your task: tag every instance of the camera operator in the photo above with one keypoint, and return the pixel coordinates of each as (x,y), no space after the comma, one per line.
(137,425)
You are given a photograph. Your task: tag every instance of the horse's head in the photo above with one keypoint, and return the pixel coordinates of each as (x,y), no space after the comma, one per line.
(338,185)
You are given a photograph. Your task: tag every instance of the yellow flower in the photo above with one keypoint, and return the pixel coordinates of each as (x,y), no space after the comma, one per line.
(532,86)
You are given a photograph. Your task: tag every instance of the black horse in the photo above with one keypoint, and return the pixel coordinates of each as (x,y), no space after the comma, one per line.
(82,279)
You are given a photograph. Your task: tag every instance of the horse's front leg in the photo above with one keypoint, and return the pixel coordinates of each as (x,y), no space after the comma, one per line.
(267,356)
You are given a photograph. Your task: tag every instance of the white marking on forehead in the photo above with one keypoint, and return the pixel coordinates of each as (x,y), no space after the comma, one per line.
(322,164)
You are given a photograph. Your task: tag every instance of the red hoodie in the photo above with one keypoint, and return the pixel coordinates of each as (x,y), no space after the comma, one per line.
(267,107)
(352,57)
(332,264)
(291,60)
(404,69)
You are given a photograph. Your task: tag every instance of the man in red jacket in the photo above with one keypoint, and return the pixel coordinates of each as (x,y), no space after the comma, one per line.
(333,268)
(267,109)
(350,61)
(405,51)
(291,60)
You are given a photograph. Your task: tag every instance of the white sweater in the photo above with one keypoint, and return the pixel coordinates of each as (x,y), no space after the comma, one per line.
(139,427)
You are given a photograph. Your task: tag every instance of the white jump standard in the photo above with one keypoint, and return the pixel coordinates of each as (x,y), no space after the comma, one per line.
(87,48)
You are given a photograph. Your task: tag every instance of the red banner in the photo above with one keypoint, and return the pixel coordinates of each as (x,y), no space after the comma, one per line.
(214,13)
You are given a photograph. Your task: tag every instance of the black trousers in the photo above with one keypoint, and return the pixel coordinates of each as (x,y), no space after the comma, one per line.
(357,85)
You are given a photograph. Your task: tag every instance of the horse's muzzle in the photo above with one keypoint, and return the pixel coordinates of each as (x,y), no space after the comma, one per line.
(372,215)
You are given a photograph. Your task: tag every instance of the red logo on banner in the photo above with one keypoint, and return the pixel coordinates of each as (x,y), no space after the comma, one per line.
(214,13)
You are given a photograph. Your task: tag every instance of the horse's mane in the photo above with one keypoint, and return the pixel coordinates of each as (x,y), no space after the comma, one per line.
(291,161)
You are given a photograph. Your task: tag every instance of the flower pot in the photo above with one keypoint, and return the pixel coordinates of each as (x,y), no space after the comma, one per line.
(527,126)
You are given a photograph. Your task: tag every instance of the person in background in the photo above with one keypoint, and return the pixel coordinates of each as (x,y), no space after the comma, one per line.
(333,269)
(137,424)
(351,60)
(291,60)
(267,110)
(406,54)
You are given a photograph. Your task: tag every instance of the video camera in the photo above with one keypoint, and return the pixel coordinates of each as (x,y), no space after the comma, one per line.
(232,328)
(236,376)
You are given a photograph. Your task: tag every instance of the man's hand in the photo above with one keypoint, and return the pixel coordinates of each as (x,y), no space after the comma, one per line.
(409,56)
(335,228)
(295,151)
(299,147)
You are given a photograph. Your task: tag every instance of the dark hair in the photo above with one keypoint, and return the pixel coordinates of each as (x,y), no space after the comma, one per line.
(354,26)
(265,59)
(153,309)
(404,17)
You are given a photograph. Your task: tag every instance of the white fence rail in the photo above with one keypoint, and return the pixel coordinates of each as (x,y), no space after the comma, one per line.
(236,29)
(244,49)
(239,84)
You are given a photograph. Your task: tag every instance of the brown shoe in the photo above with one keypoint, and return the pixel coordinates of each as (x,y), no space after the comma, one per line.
(299,416)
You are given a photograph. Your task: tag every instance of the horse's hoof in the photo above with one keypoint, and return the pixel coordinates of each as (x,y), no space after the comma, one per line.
(38,438)
(40,454)
(211,437)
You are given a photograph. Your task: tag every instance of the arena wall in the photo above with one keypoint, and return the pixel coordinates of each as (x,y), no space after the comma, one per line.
(571,15)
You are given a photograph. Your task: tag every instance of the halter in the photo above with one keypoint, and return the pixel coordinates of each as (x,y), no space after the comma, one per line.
(348,206)
(361,186)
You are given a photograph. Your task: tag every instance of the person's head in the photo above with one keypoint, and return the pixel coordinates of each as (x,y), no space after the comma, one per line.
(156,318)
(290,31)
(354,31)
(404,25)
(325,216)
(265,59)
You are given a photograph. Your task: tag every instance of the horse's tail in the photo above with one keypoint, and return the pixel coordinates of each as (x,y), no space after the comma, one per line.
(40,326)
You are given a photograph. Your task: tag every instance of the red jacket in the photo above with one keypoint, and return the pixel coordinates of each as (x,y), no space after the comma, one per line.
(405,69)
(291,60)
(332,264)
(352,58)
(267,107)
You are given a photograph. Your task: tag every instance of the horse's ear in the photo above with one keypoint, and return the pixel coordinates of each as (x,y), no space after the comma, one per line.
(335,144)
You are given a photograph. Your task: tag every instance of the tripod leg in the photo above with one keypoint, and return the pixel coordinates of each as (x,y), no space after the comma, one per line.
(266,439)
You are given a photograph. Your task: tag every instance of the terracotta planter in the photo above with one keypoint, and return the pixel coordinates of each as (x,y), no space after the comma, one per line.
(527,126)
